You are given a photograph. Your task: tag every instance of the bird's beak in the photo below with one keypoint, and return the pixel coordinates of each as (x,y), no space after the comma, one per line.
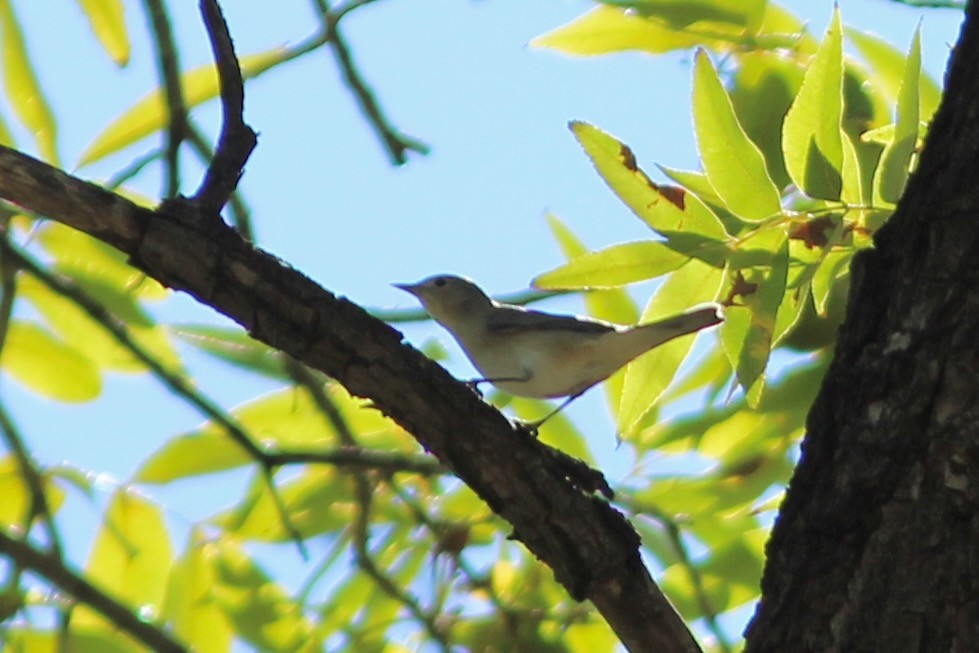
(407,287)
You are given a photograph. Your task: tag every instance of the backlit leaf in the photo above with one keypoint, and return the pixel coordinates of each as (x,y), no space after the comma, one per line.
(149,114)
(812,134)
(734,165)
(108,22)
(47,365)
(892,171)
(22,88)
(614,266)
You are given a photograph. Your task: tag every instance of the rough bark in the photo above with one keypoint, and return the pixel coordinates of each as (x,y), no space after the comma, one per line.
(876,547)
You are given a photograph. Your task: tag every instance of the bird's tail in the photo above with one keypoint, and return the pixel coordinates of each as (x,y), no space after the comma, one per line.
(656,333)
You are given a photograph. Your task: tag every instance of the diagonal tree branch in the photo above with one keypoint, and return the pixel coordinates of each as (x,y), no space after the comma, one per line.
(546,495)
(592,549)
(51,567)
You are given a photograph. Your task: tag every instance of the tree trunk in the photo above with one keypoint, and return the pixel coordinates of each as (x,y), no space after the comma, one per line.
(876,547)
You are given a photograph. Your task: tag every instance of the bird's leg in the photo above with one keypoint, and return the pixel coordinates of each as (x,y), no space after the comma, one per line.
(532,427)
(474,383)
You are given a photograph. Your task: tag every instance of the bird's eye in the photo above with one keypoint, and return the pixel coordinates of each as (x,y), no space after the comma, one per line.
(439,283)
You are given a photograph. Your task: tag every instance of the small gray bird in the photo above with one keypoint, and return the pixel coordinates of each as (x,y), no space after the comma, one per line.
(541,355)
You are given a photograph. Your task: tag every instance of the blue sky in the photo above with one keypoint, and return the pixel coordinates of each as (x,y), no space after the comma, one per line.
(459,76)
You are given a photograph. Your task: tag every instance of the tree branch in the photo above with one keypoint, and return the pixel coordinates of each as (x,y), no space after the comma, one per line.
(237,140)
(168,63)
(874,548)
(54,571)
(592,549)
(397,144)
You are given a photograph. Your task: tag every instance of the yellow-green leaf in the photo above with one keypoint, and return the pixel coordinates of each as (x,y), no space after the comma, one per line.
(664,208)
(260,610)
(80,331)
(16,504)
(889,66)
(81,256)
(192,454)
(22,88)
(812,133)
(613,266)
(318,501)
(107,19)
(605,29)
(763,304)
(149,114)
(232,345)
(47,365)
(191,608)
(892,171)
(649,375)
(130,558)
(734,165)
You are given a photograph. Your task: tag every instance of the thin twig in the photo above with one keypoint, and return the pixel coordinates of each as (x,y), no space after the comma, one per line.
(134,168)
(174,382)
(168,61)
(395,143)
(362,458)
(34,479)
(675,535)
(365,495)
(240,213)
(52,568)
(237,140)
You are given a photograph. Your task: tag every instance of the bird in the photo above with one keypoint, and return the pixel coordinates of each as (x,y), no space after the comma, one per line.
(541,355)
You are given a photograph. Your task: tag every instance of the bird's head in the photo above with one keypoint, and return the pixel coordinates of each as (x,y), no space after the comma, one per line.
(447,298)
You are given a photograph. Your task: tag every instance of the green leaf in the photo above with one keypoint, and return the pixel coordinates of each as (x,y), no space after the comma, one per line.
(663,208)
(283,418)
(191,609)
(649,375)
(742,14)
(192,454)
(319,501)
(108,22)
(130,557)
(81,256)
(83,333)
(764,86)
(232,345)
(734,165)
(22,88)
(782,412)
(892,171)
(604,30)
(853,190)
(16,505)
(47,365)
(889,69)
(150,114)
(614,266)
(259,609)
(610,304)
(763,304)
(812,134)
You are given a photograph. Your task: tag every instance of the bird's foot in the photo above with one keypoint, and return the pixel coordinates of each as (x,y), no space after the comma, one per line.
(474,386)
(530,428)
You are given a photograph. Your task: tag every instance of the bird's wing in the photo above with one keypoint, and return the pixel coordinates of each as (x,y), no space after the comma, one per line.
(513,318)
